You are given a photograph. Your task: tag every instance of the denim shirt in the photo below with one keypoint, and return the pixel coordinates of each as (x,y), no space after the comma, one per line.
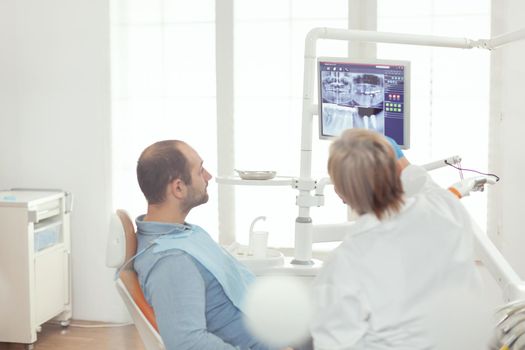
(191,308)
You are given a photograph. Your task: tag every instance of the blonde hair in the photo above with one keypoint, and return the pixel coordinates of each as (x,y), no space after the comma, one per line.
(363,169)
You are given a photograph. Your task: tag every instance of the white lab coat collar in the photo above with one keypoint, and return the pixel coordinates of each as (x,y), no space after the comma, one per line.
(369,221)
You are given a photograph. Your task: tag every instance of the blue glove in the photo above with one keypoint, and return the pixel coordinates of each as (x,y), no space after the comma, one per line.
(395,146)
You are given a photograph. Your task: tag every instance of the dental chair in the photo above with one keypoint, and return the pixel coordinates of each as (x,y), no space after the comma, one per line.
(121,247)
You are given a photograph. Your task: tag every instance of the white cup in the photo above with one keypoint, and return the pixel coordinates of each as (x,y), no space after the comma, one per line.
(258,243)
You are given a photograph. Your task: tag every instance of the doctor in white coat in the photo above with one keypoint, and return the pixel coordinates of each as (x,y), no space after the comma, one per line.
(412,239)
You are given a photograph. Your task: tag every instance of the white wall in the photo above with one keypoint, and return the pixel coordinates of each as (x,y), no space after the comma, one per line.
(8,84)
(507,142)
(55,126)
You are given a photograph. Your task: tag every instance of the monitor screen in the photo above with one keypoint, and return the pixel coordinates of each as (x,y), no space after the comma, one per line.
(370,94)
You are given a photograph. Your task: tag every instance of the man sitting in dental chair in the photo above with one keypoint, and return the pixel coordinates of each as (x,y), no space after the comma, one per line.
(412,239)
(195,288)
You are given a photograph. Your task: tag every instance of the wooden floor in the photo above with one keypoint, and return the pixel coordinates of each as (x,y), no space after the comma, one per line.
(56,337)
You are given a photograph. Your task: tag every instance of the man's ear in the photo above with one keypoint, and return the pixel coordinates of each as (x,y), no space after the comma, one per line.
(177,188)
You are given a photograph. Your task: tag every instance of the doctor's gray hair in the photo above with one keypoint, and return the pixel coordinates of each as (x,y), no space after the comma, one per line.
(364,171)
(160,164)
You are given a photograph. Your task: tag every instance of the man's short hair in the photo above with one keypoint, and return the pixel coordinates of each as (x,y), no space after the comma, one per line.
(160,164)
(363,169)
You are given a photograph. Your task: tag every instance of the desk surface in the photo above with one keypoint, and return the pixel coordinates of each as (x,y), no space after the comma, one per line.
(26,198)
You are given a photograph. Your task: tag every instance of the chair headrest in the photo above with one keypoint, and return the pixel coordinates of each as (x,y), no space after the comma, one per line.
(122,243)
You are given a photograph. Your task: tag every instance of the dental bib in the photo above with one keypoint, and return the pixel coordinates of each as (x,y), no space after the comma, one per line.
(233,276)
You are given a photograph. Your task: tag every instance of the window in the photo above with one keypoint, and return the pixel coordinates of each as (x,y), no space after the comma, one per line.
(163,73)
(269,56)
(450,87)
(164,81)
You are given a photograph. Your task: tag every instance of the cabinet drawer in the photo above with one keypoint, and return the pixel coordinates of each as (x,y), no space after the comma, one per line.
(48,236)
(45,211)
(51,273)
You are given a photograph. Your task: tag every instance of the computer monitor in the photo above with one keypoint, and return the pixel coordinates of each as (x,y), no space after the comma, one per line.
(370,94)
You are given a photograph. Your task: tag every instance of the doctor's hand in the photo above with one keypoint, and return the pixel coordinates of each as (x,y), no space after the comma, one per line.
(402,161)
(471,184)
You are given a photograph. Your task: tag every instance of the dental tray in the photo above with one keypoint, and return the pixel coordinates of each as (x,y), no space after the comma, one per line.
(256,174)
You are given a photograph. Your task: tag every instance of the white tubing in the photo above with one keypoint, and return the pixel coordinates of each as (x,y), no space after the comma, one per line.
(303,242)
(321,184)
(382,37)
(506,38)
(441,163)
(498,267)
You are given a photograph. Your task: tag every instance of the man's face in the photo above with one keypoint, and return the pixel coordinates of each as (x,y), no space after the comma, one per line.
(197,190)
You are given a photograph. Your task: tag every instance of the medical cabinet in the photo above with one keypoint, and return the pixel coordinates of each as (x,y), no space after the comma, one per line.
(35,262)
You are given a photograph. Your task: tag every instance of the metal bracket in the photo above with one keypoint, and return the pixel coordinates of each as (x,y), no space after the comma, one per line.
(304,185)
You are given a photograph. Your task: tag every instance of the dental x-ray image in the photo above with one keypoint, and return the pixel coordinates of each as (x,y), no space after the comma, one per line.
(351,100)
(368,90)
